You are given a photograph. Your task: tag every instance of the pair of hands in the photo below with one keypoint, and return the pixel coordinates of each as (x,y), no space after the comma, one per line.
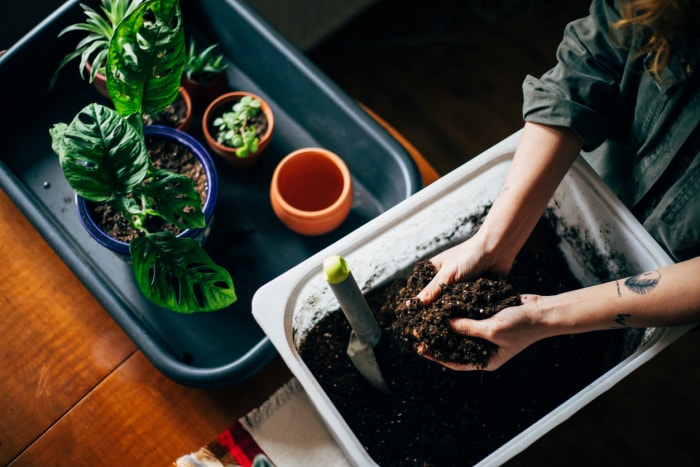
(543,156)
(512,329)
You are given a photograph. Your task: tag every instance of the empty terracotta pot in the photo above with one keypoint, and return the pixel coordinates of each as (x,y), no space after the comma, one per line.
(311,191)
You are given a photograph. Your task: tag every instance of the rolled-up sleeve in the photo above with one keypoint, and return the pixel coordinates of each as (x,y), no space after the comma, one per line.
(581,91)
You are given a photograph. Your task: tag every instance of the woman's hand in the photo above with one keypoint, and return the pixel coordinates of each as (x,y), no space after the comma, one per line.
(543,156)
(668,296)
(462,262)
(512,329)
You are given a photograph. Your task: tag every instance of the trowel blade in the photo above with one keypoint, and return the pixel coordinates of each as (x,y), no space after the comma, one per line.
(362,356)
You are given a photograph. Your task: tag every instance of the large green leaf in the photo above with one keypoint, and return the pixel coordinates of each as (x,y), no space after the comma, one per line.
(146,58)
(175,198)
(101,154)
(176,273)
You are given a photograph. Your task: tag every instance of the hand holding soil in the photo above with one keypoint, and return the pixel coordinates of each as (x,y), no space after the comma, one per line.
(426,328)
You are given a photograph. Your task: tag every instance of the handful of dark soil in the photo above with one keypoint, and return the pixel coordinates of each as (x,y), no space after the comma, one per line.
(427,327)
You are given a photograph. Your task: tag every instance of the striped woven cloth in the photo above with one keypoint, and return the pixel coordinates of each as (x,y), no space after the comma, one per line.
(285,429)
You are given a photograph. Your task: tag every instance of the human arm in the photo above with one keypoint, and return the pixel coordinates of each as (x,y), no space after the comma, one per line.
(543,155)
(568,108)
(667,296)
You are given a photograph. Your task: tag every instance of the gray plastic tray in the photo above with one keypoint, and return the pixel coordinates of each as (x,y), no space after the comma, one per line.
(227,346)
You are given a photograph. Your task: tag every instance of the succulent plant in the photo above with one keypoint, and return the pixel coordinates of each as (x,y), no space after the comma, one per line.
(203,65)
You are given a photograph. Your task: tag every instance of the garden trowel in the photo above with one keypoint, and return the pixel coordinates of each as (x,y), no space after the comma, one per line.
(365,329)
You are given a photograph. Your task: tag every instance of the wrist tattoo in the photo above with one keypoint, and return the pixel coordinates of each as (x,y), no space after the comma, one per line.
(621,319)
(643,283)
(617,284)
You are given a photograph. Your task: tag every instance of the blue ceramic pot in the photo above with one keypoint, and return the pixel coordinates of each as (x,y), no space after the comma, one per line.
(204,158)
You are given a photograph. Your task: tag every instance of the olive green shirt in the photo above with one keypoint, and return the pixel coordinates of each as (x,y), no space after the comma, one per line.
(639,131)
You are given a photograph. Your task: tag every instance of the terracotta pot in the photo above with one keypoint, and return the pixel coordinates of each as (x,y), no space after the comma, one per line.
(222,104)
(100,81)
(184,125)
(204,158)
(202,94)
(311,191)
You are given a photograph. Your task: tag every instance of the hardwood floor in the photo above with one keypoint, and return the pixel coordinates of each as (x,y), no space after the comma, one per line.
(448,78)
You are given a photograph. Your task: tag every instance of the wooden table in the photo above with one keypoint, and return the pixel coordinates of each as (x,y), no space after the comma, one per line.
(75,390)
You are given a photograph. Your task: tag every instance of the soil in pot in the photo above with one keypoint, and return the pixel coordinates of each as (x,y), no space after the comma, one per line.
(423,328)
(165,154)
(175,115)
(439,417)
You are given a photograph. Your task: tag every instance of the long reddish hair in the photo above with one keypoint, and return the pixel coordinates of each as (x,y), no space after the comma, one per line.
(659,24)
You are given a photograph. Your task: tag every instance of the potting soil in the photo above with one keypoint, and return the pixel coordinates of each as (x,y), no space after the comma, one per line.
(439,417)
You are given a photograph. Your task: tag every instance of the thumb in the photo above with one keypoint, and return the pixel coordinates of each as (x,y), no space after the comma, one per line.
(431,291)
(469,327)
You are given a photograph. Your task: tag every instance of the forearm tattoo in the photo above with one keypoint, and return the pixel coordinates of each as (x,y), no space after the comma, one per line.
(642,284)
(621,319)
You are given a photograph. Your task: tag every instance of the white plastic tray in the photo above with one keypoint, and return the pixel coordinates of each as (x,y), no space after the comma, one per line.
(432,219)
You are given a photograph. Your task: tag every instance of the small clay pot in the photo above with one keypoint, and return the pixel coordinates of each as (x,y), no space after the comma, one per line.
(100,81)
(100,84)
(222,104)
(311,191)
(202,94)
(184,124)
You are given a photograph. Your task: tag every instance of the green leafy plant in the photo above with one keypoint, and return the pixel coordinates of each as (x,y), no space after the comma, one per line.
(235,127)
(104,158)
(201,66)
(100,27)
